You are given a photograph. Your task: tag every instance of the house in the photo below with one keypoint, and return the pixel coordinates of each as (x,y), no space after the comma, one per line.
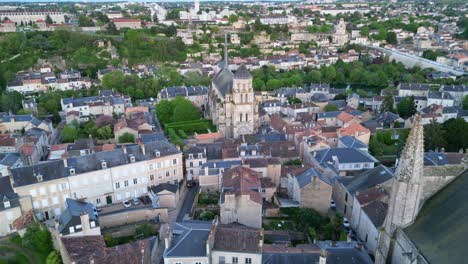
(353,100)
(198,95)
(8,144)
(8,162)
(194,158)
(235,243)
(384,120)
(310,189)
(78,219)
(135,124)
(345,189)
(357,131)
(242,196)
(413,89)
(166,194)
(440,98)
(116,175)
(328,118)
(343,160)
(10,207)
(294,110)
(127,23)
(93,249)
(352,142)
(272,106)
(187,243)
(458,92)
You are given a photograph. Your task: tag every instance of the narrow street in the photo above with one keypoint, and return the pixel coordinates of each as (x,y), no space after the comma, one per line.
(188,202)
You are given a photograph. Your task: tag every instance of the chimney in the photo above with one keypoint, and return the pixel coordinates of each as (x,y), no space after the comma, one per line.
(124,148)
(442,150)
(323,257)
(142,147)
(85,227)
(206,170)
(65,162)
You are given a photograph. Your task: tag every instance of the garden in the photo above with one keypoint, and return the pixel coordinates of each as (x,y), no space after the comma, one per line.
(207,206)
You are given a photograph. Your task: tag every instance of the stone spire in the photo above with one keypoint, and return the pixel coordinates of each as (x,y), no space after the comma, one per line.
(405,197)
(226,61)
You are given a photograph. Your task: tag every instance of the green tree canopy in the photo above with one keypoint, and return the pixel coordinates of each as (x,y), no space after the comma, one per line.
(330,108)
(69,134)
(407,107)
(126,138)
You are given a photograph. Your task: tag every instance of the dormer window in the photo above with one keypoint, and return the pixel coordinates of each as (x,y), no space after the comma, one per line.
(103,164)
(39,178)
(190,156)
(200,155)
(72,171)
(157,153)
(132,158)
(6,204)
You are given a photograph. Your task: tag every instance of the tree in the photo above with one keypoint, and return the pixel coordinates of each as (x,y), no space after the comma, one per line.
(387,104)
(164,111)
(365,31)
(11,101)
(434,136)
(69,134)
(112,29)
(294,100)
(330,108)
(407,107)
(456,134)
(38,239)
(375,146)
(48,20)
(104,132)
(85,21)
(126,138)
(53,258)
(392,38)
(184,110)
(465,102)
(233,18)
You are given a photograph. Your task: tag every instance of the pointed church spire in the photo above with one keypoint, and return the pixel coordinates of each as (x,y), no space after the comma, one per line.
(410,166)
(226,61)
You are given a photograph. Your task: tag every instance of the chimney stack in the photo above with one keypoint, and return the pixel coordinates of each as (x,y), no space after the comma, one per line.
(142,147)
(124,148)
(85,227)
(65,162)
(323,257)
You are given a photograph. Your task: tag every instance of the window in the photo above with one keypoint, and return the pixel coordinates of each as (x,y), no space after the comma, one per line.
(174,161)
(200,163)
(240,117)
(191,164)
(198,262)
(151,177)
(246,117)
(63,186)
(190,156)
(222,260)
(356,166)
(151,166)
(117,185)
(367,236)
(235,260)
(346,197)
(135,181)
(167,173)
(248,261)
(126,183)
(200,155)
(6,204)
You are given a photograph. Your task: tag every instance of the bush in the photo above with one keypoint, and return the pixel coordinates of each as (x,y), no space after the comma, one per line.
(53,258)
(146,230)
(205,198)
(182,134)
(127,138)
(207,216)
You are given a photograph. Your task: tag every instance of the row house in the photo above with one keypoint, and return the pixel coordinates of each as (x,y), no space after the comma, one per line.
(115,176)
(198,95)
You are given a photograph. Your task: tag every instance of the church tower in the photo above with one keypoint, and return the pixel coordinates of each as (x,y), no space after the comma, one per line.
(405,197)
(245,114)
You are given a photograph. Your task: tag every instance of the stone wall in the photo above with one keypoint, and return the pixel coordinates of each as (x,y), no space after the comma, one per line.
(437,177)
(132,216)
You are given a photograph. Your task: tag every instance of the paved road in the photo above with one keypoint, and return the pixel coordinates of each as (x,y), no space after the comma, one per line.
(188,202)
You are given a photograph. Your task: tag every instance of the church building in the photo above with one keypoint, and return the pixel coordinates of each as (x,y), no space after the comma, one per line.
(231,101)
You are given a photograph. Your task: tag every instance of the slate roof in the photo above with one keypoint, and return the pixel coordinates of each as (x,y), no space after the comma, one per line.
(333,114)
(367,179)
(242,73)
(306,177)
(414,86)
(440,230)
(376,211)
(55,169)
(189,239)
(74,209)
(7,194)
(18,118)
(223,81)
(352,142)
(344,155)
(10,159)
(214,167)
(433,158)
(165,186)
(237,238)
(290,258)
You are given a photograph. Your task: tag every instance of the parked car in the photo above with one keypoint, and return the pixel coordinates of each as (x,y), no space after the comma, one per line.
(136,201)
(345,223)
(126,204)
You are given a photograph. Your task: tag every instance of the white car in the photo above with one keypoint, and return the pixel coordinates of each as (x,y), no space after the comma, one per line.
(126,204)
(345,222)
(136,201)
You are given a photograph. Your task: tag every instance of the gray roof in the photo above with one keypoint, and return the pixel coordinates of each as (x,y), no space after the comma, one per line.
(440,230)
(7,194)
(455,88)
(242,73)
(414,86)
(18,118)
(71,215)
(189,239)
(333,114)
(290,258)
(367,179)
(344,155)
(223,81)
(165,186)
(55,169)
(10,159)
(306,177)
(214,167)
(352,142)
(376,211)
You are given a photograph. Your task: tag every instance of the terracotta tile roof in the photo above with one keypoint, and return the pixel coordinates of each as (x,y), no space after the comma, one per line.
(242,181)
(372,194)
(284,248)
(208,136)
(23,221)
(345,117)
(7,142)
(27,149)
(238,238)
(136,109)
(92,249)
(352,130)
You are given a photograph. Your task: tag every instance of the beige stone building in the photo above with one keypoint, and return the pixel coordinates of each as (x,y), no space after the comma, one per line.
(11,207)
(100,178)
(231,101)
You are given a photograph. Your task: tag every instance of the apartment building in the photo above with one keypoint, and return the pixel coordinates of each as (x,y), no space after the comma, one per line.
(115,176)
